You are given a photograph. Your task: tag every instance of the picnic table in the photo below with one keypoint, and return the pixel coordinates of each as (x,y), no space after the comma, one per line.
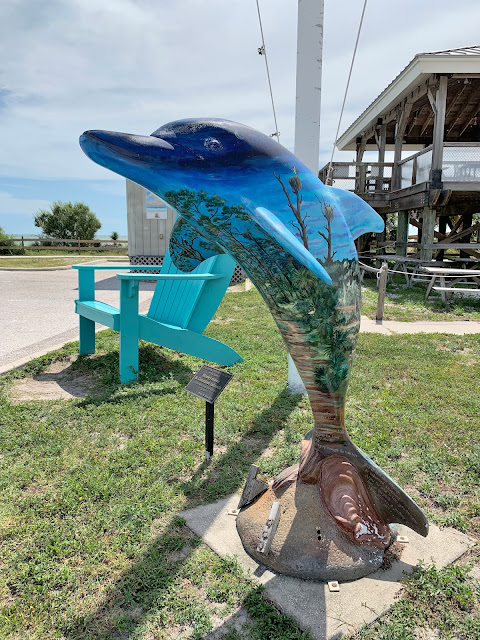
(408,266)
(466,276)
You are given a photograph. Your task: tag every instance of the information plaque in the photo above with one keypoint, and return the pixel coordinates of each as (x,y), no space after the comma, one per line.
(208,383)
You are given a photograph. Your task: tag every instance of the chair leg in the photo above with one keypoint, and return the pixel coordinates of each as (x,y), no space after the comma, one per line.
(87,336)
(129,333)
(128,357)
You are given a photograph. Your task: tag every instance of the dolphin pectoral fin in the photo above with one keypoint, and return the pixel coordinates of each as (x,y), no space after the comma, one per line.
(359,216)
(271,224)
(188,248)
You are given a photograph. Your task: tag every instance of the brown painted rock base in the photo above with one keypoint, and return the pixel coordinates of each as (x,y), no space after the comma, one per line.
(307,543)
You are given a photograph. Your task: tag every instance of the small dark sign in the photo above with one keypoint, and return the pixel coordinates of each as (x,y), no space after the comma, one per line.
(208,383)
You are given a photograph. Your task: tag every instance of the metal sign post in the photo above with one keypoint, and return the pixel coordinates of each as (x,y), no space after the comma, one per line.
(207,384)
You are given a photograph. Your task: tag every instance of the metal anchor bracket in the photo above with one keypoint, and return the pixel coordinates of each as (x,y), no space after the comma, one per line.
(252,488)
(269,529)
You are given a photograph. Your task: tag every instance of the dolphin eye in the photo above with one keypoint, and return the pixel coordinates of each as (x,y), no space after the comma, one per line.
(212,144)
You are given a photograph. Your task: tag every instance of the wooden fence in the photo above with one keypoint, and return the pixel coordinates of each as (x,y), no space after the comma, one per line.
(108,245)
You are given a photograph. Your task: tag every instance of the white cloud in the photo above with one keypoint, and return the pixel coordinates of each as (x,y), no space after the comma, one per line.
(133,65)
(11,205)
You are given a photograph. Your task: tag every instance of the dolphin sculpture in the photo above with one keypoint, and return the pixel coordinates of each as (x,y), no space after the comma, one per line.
(238,191)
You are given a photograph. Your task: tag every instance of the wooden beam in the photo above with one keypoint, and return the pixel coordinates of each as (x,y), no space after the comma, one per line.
(402,232)
(438,131)
(431,99)
(381,135)
(471,104)
(403,113)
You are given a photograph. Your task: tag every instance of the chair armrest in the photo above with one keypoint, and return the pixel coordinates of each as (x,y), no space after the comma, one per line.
(170,276)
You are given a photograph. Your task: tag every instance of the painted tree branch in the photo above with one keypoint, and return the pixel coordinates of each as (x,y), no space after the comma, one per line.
(296,210)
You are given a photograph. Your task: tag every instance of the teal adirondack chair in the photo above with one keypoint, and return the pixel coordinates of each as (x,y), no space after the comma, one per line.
(182,306)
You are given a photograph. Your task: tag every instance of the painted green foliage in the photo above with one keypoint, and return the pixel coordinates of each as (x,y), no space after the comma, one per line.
(327,316)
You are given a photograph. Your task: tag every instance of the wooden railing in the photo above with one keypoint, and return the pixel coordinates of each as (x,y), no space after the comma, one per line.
(360,177)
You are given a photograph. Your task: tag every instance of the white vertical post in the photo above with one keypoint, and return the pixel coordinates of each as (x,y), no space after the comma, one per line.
(307,108)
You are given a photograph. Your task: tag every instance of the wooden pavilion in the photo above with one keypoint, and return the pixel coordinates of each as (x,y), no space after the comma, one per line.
(432,108)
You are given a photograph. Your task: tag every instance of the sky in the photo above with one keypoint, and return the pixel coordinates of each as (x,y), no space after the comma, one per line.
(132,65)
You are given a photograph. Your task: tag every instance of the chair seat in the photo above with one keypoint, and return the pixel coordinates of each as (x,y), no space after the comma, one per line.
(99,312)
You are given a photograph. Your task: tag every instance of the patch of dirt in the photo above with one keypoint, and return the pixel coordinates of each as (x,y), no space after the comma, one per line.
(57,382)
(426,634)
(238,621)
(222,320)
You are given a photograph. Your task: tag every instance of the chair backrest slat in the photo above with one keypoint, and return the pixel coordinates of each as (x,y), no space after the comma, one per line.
(191,305)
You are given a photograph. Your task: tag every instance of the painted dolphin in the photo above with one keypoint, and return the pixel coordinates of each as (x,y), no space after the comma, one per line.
(240,192)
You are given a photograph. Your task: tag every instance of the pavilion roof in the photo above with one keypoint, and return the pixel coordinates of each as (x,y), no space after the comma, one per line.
(413,84)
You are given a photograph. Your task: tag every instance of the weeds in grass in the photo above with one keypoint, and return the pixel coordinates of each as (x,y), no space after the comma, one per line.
(91,546)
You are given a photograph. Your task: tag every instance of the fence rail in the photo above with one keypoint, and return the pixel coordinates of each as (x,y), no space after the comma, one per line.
(73,244)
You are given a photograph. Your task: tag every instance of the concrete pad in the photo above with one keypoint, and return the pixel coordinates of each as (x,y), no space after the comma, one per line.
(456,327)
(391,327)
(327,615)
(367,325)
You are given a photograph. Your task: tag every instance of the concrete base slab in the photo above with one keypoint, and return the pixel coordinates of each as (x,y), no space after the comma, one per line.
(327,615)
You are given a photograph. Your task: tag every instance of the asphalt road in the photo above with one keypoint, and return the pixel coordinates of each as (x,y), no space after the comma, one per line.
(37,310)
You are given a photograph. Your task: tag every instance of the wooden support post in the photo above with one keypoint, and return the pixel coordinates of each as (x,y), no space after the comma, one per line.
(381,237)
(381,139)
(438,133)
(466,224)
(359,175)
(442,228)
(428,233)
(402,232)
(401,123)
(382,289)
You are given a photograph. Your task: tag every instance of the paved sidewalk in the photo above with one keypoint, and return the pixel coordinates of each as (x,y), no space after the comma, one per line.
(37,310)
(391,327)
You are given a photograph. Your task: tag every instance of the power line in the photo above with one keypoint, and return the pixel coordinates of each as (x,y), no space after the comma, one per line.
(263,52)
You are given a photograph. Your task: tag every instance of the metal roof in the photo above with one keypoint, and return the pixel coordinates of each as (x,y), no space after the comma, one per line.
(451,61)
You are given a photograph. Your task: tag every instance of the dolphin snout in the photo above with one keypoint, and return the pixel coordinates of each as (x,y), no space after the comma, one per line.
(122,143)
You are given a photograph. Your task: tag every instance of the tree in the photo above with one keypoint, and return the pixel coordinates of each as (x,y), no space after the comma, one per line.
(296,186)
(114,237)
(68,220)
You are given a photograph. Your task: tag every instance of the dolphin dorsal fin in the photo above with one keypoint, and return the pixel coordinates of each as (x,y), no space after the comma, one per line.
(359,216)
(188,248)
(274,227)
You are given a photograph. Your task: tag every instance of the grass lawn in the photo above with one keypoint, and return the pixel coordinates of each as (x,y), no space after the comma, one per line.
(92,546)
(408,305)
(62,261)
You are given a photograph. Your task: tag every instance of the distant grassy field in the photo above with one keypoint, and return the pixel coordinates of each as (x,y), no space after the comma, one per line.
(92,546)
(31,263)
(408,305)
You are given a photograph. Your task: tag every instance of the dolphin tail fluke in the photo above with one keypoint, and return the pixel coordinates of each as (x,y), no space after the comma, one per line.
(391,502)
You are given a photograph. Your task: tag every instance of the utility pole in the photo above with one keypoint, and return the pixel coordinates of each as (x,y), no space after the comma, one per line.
(307,108)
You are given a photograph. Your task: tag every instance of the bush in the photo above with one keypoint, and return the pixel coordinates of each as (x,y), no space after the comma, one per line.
(8,246)
(67,220)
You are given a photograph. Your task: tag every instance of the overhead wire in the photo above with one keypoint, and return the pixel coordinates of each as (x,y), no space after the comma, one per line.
(263,52)
(330,164)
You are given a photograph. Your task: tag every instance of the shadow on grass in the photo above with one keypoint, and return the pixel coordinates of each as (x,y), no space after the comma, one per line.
(146,586)
(153,367)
